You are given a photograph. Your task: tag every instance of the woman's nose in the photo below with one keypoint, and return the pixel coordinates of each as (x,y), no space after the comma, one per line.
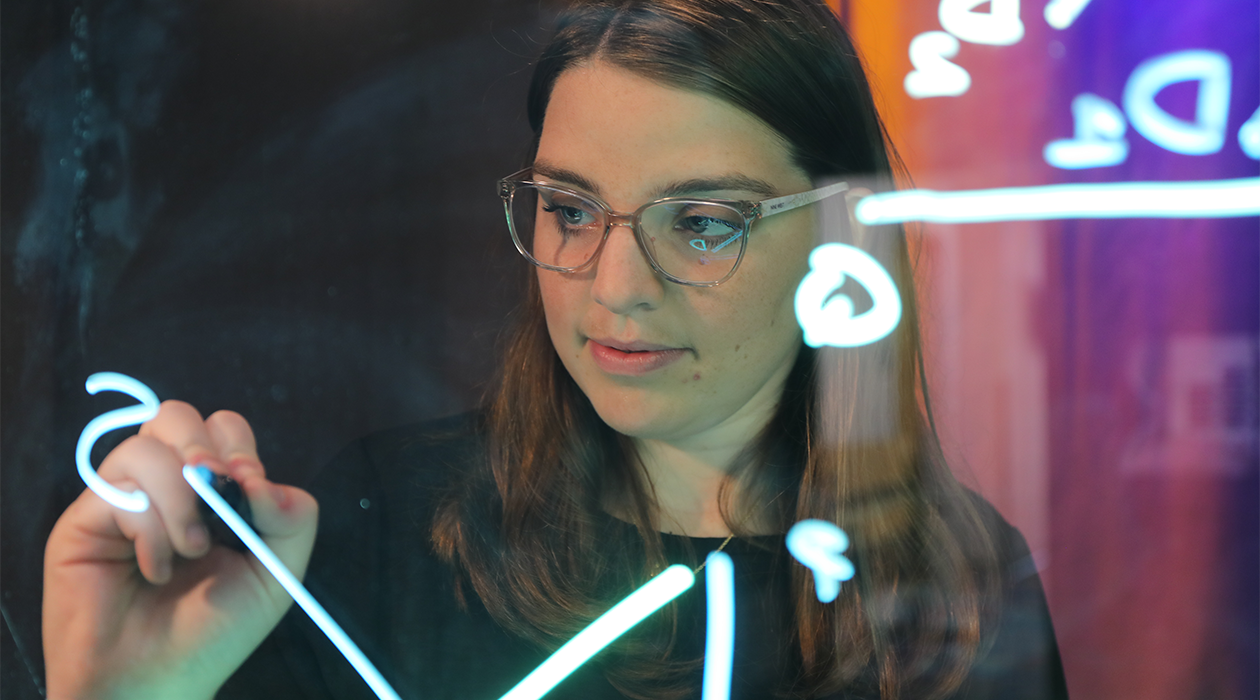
(624,279)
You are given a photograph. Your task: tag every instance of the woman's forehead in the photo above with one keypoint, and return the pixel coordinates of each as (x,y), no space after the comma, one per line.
(619,130)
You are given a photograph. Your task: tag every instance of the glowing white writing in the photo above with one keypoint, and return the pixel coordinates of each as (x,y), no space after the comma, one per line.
(1099,138)
(826,317)
(719,643)
(1060,14)
(1249,136)
(819,545)
(1000,26)
(136,501)
(933,75)
(1110,200)
(1206,134)
(649,598)
(1099,126)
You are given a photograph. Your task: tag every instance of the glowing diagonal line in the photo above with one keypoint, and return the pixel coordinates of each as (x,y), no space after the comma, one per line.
(632,609)
(1060,14)
(1110,200)
(198,478)
(719,644)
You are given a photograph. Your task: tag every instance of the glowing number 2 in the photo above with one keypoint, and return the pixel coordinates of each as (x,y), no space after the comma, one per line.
(137,501)
(933,75)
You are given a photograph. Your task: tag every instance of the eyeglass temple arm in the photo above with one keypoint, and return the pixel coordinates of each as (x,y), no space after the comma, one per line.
(778,205)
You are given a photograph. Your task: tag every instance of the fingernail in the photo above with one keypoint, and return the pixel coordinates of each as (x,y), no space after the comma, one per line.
(279,495)
(197,536)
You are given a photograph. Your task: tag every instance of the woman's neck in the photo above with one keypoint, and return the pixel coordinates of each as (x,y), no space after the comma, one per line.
(686,484)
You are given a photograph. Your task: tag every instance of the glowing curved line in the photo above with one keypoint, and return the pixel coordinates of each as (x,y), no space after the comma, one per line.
(199,478)
(818,545)
(1249,136)
(719,642)
(649,598)
(1110,200)
(1060,14)
(136,501)
(829,320)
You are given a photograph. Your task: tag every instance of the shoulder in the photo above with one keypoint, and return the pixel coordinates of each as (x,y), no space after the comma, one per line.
(1022,659)
(1009,544)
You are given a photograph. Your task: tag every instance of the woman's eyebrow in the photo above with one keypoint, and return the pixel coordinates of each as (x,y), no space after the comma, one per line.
(678,188)
(734,181)
(552,172)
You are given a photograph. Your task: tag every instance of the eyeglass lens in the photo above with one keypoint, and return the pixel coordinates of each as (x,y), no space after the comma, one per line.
(694,241)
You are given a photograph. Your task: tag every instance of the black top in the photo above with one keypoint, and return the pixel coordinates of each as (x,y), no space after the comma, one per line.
(374,571)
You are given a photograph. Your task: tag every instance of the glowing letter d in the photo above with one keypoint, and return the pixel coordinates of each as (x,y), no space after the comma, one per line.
(1206,134)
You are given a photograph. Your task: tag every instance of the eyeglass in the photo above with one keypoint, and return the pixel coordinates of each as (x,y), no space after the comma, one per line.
(694,242)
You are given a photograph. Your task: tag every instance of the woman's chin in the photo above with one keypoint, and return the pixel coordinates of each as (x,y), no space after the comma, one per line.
(635,419)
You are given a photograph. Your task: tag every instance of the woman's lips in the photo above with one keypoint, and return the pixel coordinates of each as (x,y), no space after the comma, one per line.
(632,359)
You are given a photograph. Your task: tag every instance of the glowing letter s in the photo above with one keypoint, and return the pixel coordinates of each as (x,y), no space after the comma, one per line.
(828,319)
(1000,26)
(137,501)
(818,545)
(1203,136)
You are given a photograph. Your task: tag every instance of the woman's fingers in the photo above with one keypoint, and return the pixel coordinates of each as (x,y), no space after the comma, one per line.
(286,518)
(151,539)
(234,440)
(179,425)
(172,520)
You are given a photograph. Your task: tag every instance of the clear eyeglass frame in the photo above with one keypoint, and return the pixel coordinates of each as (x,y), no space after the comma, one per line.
(750,211)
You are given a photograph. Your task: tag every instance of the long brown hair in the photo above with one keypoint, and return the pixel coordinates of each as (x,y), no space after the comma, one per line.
(851,441)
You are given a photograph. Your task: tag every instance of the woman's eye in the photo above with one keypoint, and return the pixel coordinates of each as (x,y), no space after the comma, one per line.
(570,216)
(707,225)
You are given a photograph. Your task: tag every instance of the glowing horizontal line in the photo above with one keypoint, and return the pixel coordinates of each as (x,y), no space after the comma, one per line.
(666,586)
(1110,200)
(195,478)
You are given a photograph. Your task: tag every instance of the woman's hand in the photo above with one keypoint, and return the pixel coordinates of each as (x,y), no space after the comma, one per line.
(140,605)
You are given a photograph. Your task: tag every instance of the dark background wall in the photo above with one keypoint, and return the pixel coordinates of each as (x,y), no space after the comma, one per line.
(282,208)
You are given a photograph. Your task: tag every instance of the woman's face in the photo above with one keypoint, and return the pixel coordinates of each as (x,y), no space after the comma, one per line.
(689,366)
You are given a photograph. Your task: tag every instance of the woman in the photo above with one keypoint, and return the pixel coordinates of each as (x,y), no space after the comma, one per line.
(656,403)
